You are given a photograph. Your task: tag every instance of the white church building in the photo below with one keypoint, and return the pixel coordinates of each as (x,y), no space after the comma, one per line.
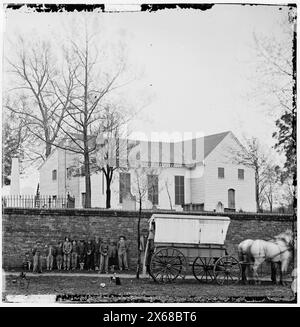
(197,174)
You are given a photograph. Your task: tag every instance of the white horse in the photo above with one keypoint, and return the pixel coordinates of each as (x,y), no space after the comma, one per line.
(277,250)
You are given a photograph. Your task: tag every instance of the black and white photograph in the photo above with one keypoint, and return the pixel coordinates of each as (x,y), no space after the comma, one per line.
(149,155)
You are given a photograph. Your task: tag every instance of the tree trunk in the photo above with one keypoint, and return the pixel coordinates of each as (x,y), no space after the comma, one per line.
(139,241)
(170,201)
(271,201)
(85,132)
(108,195)
(48,149)
(108,177)
(87,180)
(257,198)
(257,192)
(47,140)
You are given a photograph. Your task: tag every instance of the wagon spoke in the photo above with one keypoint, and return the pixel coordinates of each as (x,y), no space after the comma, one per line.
(174,271)
(203,264)
(202,275)
(174,274)
(159,261)
(157,267)
(197,265)
(173,259)
(210,274)
(208,277)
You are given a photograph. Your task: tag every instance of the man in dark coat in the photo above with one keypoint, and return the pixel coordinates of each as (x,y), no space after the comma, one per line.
(90,249)
(81,254)
(97,244)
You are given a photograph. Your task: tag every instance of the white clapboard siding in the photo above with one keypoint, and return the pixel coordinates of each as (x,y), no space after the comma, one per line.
(216,189)
(47,185)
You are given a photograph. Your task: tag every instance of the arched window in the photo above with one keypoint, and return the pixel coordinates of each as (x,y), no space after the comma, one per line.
(231,198)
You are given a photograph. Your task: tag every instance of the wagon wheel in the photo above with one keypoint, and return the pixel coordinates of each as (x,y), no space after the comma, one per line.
(227,270)
(203,269)
(167,264)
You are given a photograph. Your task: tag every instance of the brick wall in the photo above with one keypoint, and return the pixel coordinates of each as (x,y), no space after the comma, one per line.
(21,228)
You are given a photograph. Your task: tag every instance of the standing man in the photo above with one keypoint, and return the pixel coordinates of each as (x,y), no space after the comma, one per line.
(67,249)
(89,254)
(81,254)
(50,257)
(97,245)
(59,255)
(122,253)
(74,255)
(37,260)
(104,257)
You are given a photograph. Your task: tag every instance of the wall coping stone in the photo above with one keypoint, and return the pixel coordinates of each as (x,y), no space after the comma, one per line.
(145,214)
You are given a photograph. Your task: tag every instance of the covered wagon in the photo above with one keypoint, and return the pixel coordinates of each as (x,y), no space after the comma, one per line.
(183,241)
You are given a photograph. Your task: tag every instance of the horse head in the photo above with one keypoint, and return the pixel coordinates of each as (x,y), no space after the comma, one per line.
(286,236)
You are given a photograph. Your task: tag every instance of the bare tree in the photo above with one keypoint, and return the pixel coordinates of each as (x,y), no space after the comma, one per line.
(42,92)
(288,191)
(14,139)
(145,184)
(109,145)
(93,83)
(252,155)
(276,68)
(272,179)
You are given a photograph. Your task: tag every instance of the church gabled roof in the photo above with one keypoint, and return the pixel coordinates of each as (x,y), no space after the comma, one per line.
(206,145)
(211,141)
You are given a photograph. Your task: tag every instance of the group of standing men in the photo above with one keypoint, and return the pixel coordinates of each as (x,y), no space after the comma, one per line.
(98,254)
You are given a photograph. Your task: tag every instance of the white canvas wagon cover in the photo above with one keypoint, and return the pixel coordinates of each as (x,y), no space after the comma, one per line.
(190,229)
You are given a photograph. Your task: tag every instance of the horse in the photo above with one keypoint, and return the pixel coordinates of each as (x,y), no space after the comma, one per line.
(246,260)
(277,250)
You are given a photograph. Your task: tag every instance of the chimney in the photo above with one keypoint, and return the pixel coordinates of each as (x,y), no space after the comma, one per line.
(15,177)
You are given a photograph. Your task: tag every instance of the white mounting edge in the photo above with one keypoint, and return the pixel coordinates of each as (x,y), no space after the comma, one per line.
(121,7)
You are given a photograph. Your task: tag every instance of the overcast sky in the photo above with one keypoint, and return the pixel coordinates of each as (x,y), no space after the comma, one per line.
(198,66)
